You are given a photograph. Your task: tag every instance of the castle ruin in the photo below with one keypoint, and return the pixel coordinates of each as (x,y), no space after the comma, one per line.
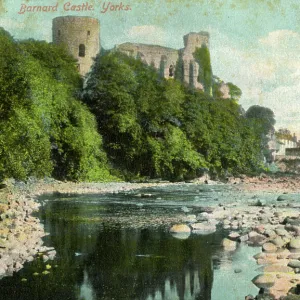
(165,60)
(81,35)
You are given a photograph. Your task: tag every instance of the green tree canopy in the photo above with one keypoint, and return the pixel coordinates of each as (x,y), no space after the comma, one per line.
(44,129)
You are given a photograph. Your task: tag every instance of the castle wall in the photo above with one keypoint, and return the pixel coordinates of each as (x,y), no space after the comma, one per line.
(162,58)
(165,59)
(81,35)
(191,68)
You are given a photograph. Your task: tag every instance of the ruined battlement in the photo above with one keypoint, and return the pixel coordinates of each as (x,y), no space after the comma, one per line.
(81,35)
(166,59)
(195,40)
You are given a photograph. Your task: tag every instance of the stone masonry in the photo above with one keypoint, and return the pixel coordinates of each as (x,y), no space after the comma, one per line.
(81,35)
(165,59)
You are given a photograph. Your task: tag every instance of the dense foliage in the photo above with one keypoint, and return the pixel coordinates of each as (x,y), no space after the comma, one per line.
(150,126)
(262,119)
(44,129)
(159,128)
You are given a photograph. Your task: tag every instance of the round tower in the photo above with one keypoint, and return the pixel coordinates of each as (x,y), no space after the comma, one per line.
(81,35)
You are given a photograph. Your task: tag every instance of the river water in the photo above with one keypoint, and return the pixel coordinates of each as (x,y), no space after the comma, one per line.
(117,246)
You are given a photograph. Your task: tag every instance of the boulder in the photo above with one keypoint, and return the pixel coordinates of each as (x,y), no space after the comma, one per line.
(228,244)
(282,232)
(270,233)
(283,198)
(292,221)
(256,239)
(283,253)
(294,256)
(294,245)
(243,238)
(294,228)
(264,280)
(294,263)
(180,231)
(278,242)
(204,216)
(234,236)
(269,248)
(180,228)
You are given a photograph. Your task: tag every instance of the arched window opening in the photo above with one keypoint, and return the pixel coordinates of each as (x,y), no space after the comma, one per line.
(171,71)
(88,33)
(81,50)
(58,32)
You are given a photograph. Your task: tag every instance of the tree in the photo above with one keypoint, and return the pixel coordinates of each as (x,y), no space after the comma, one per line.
(234,91)
(284,133)
(263,117)
(139,115)
(263,120)
(44,129)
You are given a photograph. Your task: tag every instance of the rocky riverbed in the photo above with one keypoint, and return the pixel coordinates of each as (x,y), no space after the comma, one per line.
(275,229)
(20,233)
(275,226)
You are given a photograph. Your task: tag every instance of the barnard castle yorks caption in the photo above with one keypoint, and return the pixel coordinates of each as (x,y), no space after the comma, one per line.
(69,7)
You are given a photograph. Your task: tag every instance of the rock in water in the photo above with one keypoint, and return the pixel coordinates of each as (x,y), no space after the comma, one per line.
(284,198)
(256,239)
(264,280)
(180,231)
(229,245)
(185,209)
(180,228)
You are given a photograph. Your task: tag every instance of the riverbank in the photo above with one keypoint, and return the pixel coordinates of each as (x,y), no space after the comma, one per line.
(265,183)
(20,233)
(274,227)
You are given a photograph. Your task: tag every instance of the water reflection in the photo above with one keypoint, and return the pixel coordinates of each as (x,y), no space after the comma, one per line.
(98,260)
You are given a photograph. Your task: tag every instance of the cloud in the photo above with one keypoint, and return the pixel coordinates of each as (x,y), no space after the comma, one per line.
(280,38)
(149,34)
(268,72)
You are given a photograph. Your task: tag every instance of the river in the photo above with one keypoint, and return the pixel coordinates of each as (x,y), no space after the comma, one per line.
(117,246)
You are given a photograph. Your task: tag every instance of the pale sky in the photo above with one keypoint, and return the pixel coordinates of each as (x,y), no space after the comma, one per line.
(254,43)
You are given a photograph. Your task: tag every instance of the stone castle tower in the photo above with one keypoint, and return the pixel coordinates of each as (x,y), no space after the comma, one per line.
(165,60)
(81,35)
